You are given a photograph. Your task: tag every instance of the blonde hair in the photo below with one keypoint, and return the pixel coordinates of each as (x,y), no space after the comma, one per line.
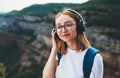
(81,39)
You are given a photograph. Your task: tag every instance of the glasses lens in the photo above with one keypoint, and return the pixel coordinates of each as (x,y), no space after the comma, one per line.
(59,29)
(67,26)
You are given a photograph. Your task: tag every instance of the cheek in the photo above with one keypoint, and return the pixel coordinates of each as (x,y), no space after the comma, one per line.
(58,34)
(74,31)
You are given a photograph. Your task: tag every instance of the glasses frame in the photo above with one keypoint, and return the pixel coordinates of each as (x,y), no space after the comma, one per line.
(67,26)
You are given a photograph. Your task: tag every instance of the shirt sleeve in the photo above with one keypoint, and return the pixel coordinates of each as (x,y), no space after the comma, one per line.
(97,69)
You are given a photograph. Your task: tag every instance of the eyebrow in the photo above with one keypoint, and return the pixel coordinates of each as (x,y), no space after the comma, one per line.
(64,22)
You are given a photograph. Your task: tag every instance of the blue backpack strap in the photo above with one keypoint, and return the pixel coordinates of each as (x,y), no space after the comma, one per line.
(59,55)
(88,61)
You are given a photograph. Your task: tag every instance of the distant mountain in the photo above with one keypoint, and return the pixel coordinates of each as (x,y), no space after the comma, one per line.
(96,12)
(105,13)
(13,12)
(42,9)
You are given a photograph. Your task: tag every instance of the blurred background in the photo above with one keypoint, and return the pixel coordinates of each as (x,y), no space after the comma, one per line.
(25,36)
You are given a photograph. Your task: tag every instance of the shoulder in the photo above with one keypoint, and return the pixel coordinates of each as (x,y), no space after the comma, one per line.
(98,61)
(98,57)
(98,67)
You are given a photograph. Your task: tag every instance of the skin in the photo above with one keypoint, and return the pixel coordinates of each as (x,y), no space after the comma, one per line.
(68,36)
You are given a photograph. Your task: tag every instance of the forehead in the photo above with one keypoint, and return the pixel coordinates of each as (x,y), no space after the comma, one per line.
(63,18)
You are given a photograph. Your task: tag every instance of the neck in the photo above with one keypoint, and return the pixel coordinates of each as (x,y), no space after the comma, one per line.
(73,45)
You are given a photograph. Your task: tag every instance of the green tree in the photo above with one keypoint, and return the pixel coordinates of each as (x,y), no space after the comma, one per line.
(2,70)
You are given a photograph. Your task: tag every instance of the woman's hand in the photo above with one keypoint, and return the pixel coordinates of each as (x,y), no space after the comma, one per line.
(56,41)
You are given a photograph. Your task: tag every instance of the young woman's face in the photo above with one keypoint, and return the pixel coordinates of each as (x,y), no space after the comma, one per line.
(66,28)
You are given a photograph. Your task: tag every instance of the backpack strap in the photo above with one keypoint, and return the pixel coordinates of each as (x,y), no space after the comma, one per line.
(59,55)
(88,61)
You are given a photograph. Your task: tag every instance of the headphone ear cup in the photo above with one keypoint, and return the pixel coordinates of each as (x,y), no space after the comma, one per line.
(80,27)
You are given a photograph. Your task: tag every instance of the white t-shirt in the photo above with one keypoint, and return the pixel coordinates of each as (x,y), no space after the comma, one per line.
(71,64)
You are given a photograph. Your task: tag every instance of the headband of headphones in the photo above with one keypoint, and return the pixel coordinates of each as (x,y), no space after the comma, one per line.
(78,15)
(81,23)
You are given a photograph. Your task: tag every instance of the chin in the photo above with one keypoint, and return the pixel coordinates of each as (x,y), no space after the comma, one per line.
(66,40)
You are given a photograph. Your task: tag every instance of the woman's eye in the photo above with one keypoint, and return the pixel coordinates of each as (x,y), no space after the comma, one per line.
(59,27)
(68,24)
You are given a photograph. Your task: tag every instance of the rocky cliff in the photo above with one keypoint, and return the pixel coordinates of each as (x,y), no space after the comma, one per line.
(39,48)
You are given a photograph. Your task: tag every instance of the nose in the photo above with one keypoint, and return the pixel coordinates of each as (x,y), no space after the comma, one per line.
(64,29)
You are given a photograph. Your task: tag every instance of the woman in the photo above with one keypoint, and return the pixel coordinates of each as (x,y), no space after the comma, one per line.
(68,38)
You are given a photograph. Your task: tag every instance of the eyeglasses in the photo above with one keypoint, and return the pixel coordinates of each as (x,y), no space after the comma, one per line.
(67,26)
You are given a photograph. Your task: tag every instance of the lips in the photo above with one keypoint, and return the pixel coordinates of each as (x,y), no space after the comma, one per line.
(64,35)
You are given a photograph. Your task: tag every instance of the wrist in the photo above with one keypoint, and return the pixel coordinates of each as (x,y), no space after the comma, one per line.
(54,49)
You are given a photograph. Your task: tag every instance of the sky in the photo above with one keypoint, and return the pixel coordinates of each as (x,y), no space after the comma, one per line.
(9,5)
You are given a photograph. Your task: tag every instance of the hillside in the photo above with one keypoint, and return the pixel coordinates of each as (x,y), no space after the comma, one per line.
(103,13)
(94,11)
(6,38)
(42,9)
